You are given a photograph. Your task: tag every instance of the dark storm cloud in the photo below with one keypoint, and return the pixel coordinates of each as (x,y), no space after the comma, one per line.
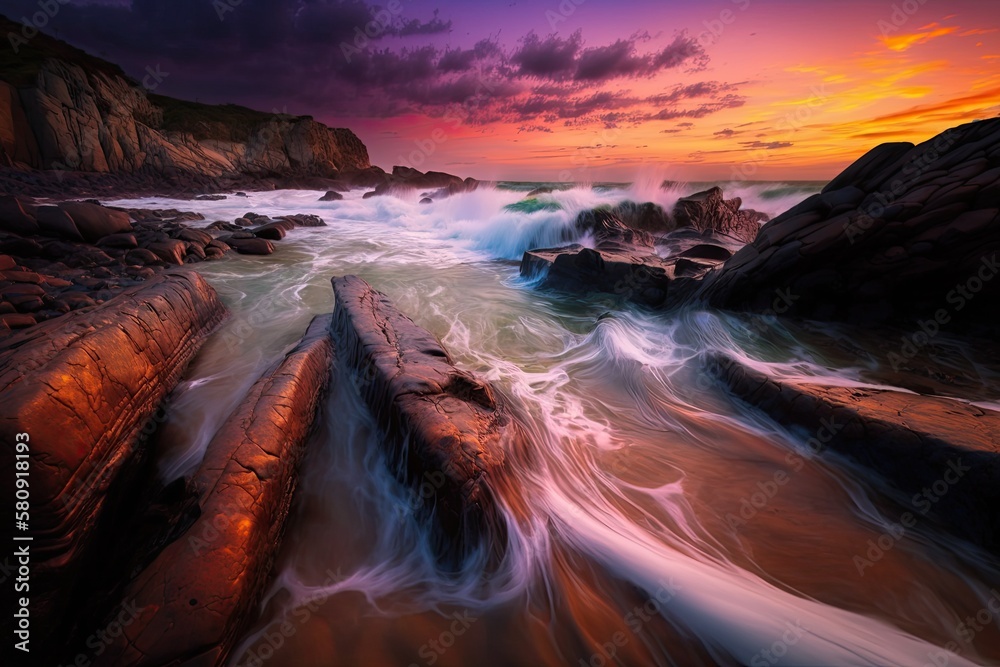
(346,58)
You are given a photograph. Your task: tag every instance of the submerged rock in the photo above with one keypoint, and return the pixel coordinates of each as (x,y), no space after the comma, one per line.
(450,437)
(85,387)
(916,442)
(196,599)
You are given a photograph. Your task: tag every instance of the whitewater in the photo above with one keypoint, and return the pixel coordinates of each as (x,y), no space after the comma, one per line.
(664,522)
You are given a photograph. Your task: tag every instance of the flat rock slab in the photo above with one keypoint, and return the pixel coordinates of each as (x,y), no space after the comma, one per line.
(943,453)
(197,597)
(449,435)
(85,388)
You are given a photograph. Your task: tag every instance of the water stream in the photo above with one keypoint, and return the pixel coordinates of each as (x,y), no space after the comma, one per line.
(665,522)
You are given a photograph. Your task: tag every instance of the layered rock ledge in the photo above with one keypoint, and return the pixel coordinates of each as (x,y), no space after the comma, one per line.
(85,388)
(906,234)
(447,430)
(196,598)
(944,455)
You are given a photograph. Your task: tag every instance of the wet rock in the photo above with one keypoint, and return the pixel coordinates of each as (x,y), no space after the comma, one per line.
(447,429)
(194,236)
(274,231)
(709,211)
(21,247)
(210,197)
(171,252)
(918,223)
(304,220)
(142,256)
(202,591)
(251,246)
(85,386)
(331,195)
(426,200)
(914,441)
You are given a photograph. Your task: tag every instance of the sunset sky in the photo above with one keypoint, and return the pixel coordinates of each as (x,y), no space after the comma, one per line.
(580,90)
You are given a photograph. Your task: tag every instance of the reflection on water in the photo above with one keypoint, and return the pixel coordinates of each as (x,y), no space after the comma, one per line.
(666,523)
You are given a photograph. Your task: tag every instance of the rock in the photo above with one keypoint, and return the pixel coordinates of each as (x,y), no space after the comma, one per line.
(241,194)
(274,231)
(707,251)
(192,608)
(85,386)
(868,227)
(252,246)
(171,252)
(11,321)
(911,440)
(54,221)
(210,197)
(443,424)
(369,195)
(14,218)
(95,222)
(708,211)
(194,236)
(142,256)
(304,220)
(426,200)
(7,263)
(331,195)
(123,241)
(21,248)
(218,245)
(82,256)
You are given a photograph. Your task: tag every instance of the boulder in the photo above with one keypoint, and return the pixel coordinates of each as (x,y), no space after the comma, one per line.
(53,221)
(251,246)
(445,427)
(274,231)
(200,594)
(15,219)
(331,195)
(122,241)
(84,386)
(904,235)
(194,236)
(95,222)
(709,211)
(171,252)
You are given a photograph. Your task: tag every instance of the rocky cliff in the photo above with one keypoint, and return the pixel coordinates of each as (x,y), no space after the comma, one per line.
(66,111)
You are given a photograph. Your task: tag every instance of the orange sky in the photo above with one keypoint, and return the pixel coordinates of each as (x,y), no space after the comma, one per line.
(822,83)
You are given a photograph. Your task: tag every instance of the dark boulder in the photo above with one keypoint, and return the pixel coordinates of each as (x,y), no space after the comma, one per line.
(251,246)
(95,222)
(331,195)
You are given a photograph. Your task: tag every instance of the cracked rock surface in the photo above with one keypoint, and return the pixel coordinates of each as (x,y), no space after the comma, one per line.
(449,435)
(85,387)
(198,595)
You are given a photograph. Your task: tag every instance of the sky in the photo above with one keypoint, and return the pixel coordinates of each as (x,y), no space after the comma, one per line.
(572,90)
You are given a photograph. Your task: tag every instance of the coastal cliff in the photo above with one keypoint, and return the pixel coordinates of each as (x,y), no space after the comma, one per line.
(71,114)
